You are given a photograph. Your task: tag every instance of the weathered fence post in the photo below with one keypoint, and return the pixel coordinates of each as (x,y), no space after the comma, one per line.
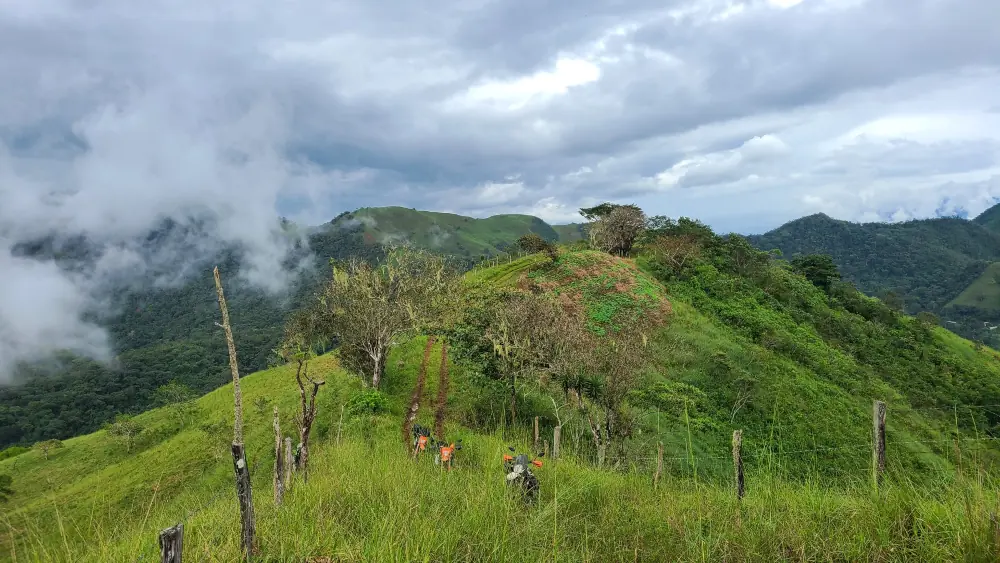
(289,466)
(878,446)
(556,435)
(279,461)
(340,425)
(546,448)
(535,446)
(242,471)
(171,544)
(659,465)
(738,462)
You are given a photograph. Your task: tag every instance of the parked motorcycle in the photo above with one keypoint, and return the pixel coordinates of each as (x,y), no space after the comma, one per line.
(519,474)
(446,453)
(421,439)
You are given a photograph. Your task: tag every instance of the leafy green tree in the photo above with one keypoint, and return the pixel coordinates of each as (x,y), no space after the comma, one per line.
(533,243)
(819,269)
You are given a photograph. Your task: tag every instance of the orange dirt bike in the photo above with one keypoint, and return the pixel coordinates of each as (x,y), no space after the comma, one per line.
(518,470)
(446,453)
(421,439)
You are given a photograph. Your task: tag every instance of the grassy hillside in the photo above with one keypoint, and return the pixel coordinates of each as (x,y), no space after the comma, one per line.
(983,292)
(929,263)
(989,218)
(445,232)
(745,344)
(163,334)
(570,233)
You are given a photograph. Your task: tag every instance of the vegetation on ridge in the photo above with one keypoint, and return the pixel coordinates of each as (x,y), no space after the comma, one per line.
(690,337)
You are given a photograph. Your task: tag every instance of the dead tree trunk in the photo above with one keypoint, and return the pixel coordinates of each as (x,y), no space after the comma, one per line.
(248,529)
(442,396)
(738,462)
(288,464)
(171,544)
(279,462)
(240,467)
(535,443)
(659,465)
(233,366)
(878,447)
(418,391)
(308,412)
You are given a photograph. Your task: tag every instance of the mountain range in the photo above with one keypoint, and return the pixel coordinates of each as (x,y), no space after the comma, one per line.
(946,266)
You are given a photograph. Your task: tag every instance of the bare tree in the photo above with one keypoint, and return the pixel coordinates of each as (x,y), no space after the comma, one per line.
(125,429)
(48,445)
(369,309)
(299,346)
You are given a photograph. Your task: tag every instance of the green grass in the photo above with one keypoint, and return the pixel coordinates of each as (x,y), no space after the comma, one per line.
(366,500)
(983,293)
(811,369)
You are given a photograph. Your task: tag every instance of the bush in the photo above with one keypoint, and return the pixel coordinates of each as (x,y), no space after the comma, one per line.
(370,401)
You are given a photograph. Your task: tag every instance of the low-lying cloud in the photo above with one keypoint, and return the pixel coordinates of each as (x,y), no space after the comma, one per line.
(156,192)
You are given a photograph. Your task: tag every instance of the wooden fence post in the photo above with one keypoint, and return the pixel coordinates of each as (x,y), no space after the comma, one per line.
(556,435)
(659,465)
(279,462)
(171,544)
(738,462)
(289,466)
(535,447)
(243,492)
(878,446)
(546,448)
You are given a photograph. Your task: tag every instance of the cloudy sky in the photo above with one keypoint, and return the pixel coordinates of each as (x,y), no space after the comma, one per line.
(115,114)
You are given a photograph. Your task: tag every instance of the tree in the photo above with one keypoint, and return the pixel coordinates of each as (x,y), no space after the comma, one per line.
(616,231)
(533,243)
(819,269)
(299,345)
(179,398)
(125,429)
(675,253)
(369,309)
(47,446)
(6,489)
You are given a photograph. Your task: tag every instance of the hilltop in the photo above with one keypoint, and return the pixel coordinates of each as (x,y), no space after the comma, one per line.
(742,342)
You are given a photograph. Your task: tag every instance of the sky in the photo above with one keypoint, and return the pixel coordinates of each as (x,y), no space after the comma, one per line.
(115,115)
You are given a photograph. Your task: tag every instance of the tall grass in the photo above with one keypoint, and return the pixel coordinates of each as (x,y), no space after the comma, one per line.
(367,500)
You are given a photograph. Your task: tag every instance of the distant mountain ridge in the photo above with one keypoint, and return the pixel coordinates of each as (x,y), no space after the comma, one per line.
(931,264)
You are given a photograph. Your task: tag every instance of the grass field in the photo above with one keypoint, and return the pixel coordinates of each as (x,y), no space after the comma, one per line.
(806,423)
(983,293)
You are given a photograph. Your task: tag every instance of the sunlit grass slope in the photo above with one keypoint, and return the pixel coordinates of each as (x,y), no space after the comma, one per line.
(806,420)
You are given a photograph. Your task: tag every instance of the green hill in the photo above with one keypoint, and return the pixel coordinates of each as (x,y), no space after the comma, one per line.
(927,263)
(163,334)
(445,232)
(744,343)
